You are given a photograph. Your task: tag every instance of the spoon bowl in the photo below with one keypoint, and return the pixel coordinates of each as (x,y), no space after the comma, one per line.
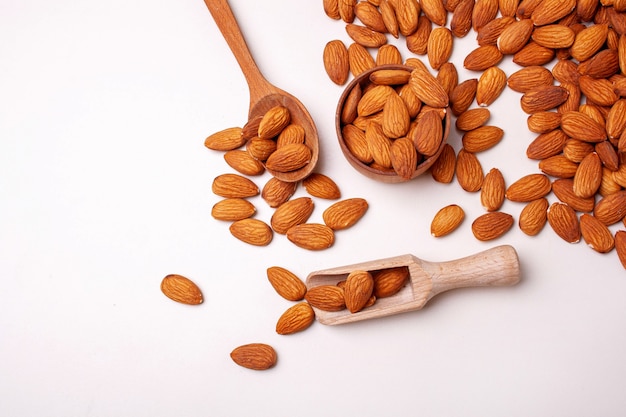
(263,94)
(498,266)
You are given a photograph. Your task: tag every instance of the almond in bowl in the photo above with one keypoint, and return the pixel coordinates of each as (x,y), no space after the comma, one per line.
(392,122)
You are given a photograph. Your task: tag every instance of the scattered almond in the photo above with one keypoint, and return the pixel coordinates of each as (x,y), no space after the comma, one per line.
(256,356)
(181,289)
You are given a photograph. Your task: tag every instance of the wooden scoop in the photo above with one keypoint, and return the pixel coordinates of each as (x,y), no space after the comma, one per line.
(263,95)
(498,266)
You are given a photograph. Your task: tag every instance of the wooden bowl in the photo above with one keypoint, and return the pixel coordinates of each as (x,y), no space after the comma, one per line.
(386,176)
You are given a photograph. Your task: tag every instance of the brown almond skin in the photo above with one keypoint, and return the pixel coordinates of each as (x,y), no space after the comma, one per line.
(226,139)
(490,226)
(232,209)
(275,191)
(295,319)
(358,290)
(289,157)
(291,213)
(612,208)
(344,214)
(534,216)
(252,231)
(529,187)
(389,281)
(447,220)
(492,191)
(596,234)
(326,297)
(564,221)
(445,166)
(234,186)
(321,186)
(181,289)
(286,283)
(311,236)
(255,356)
(620,246)
(469,171)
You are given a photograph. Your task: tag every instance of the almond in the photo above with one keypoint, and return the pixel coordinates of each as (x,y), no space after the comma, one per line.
(261,149)
(491,225)
(434,10)
(428,134)
(244,163)
(490,85)
(482,138)
(589,41)
(287,284)
(379,144)
(256,356)
(326,297)
(273,122)
(620,246)
(534,216)
(288,158)
(461,21)
(275,192)
(374,99)
(469,171)
(611,208)
(390,20)
(588,176)
(472,119)
(336,61)
(554,36)
(181,289)
(529,78)
(558,166)
(251,128)
(599,91)
(576,150)
(345,213)
(417,42)
(489,33)
(492,191)
(356,142)
(232,209)
(389,281)
(291,213)
(563,189)
(563,220)
(396,117)
(533,54)
(389,54)
(463,95)
(359,58)
(234,186)
(547,144)
(390,77)
(365,36)
(407,13)
(311,236)
(529,187)
(448,76)
(428,89)
(581,126)
(482,58)
(295,319)
(515,36)
(566,71)
(549,11)
(603,64)
(370,16)
(226,139)
(616,119)
(442,170)
(543,121)
(484,11)
(439,47)
(447,220)
(596,234)
(346,10)
(543,98)
(331,8)
(321,186)
(358,290)
(252,231)
(404,157)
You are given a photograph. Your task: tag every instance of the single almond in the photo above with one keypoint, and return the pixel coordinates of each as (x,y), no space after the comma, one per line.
(390,76)
(463,96)
(379,144)
(448,76)
(234,186)
(336,61)
(472,119)
(370,16)
(443,169)
(564,221)
(543,121)
(440,44)
(311,236)
(428,89)
(273,122)
(365,36)
(533,54)
(515,36)
(287,284)
(447,220)
(396,118)
(608,155)
(490,85)
(326,297)
(373,100)
(261,149)
(554,36)
(481,138)
(255,356)
(549,11)
(575,150)
(356,142)
(563,189)
(390,20)
(358,290)
(611,209)
(491,225)
(529,78)
(291,213)
(598,90)
(534,216)
(461,21)
(581,126)
(588,176)
(491,31)
(529,187)
(558,166)
(359,58)
(321,186)
(493,190)
(484,11)
(547,144)
(181,289)
(404,157)
(232,209)
(543,98)
(469,171)
(588,41)
(252,231)
(482,57)
(435,11)
(243,162)
(428,133)
(417,42)
(407,13)
(345,213)
(288,158)
(596,234)
(295,319)
(226,139)
(275,191)
(389,281)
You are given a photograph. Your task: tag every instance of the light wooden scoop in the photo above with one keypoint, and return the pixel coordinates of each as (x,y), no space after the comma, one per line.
(264,95)
(498,266)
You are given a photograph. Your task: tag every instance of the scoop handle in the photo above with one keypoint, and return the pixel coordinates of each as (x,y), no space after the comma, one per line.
(498,266)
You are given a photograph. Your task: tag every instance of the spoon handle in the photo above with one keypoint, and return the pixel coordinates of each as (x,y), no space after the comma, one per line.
(497,266)
(227,24)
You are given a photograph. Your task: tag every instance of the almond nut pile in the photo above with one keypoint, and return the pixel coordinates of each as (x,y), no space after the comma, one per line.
(274,143)
(572,81)
(394,119)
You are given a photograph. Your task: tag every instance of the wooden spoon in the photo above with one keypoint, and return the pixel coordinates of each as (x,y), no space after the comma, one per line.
(264,95)
(497,266)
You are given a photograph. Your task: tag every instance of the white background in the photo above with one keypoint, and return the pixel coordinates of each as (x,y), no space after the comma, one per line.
(105,188)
